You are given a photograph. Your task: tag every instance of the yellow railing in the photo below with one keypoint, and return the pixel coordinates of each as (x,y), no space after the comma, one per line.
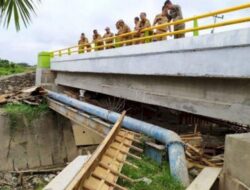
(119,43)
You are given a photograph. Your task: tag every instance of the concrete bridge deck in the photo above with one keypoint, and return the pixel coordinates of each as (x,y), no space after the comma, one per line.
(207,75)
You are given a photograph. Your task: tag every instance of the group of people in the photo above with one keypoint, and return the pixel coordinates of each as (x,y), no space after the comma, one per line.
(170,13)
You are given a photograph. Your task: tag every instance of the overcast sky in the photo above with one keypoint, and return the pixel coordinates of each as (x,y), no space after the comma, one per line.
(59,23)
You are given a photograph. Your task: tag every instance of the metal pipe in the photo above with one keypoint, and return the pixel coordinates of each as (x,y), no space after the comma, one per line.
(174,145)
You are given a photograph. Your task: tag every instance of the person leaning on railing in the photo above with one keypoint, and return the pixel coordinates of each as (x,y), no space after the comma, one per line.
(123,29)
(162,18)
(83,43)
(97,40)
(108,42)
(144,23)
(176,14)
(136,28)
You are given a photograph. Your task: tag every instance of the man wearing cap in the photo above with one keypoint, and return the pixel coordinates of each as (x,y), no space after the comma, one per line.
(162,19)
(97,40)
(108,42)
(83,43)
(123,29)
(176,14)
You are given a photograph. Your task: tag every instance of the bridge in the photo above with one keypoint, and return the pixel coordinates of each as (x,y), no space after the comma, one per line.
(206,75)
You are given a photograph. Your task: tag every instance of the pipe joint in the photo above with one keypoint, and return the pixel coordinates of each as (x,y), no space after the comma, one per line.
(176,142)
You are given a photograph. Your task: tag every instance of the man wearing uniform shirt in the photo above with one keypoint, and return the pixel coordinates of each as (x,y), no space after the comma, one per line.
(97,39)
(136,28)
(176,14)
(83,43)
(162,19)
(108,42)
(144,23)
(123,29)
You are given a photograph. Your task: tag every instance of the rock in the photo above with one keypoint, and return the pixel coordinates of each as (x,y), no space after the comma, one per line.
(8,177)
(47,179)
(51,176)
(10,88)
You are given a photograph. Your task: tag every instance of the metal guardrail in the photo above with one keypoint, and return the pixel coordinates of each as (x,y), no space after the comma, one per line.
(118,42)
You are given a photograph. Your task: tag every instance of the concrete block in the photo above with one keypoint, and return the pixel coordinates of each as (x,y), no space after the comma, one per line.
(236,171)
(229,183)
(237,157)
(44,76)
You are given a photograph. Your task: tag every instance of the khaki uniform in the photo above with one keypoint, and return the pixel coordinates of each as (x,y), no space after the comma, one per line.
(142,25)
(83,43)
(123,30)
(161,19)
(97,39)
(137,35)
(110,41)
(176,14)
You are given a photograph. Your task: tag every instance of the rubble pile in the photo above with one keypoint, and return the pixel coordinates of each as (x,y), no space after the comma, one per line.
(200,155)
(21,181)
(32,96)
(15,83)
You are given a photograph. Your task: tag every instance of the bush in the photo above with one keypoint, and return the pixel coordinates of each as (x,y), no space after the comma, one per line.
(7,67)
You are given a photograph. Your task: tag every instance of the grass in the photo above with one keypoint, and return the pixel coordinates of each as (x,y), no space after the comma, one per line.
(160,176)
(17,69)
(9,68)
(17,112)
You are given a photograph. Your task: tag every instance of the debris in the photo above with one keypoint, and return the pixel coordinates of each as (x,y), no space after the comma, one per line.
(145,180)
(39,171)
(32,96)
(199,155)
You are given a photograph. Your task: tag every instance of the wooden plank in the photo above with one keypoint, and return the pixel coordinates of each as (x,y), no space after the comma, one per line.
(195,150)
(86,171)
(83,136)
(206,179)
(66,176)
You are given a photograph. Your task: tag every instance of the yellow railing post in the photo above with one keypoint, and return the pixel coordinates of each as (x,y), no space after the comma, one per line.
(146,33)
(69,51)
(196,25)
(52,54)
(117,40)
(60,53)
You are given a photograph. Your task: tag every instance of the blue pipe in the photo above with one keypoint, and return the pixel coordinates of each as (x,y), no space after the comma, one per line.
(174,145)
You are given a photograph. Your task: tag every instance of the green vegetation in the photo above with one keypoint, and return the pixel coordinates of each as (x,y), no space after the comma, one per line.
(160,176)
(8,68)
(5,188)
(17,112)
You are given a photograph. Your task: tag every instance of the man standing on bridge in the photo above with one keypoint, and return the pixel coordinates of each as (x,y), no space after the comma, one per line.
(136,28)
(162,19)
(176,14)
(83,43)
(109,42)
(143,24)
(97,40)
(123,29)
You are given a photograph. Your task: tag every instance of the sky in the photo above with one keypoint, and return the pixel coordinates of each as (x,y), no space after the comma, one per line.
(59,23)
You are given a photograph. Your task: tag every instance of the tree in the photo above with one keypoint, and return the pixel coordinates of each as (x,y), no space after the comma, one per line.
(19,10)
